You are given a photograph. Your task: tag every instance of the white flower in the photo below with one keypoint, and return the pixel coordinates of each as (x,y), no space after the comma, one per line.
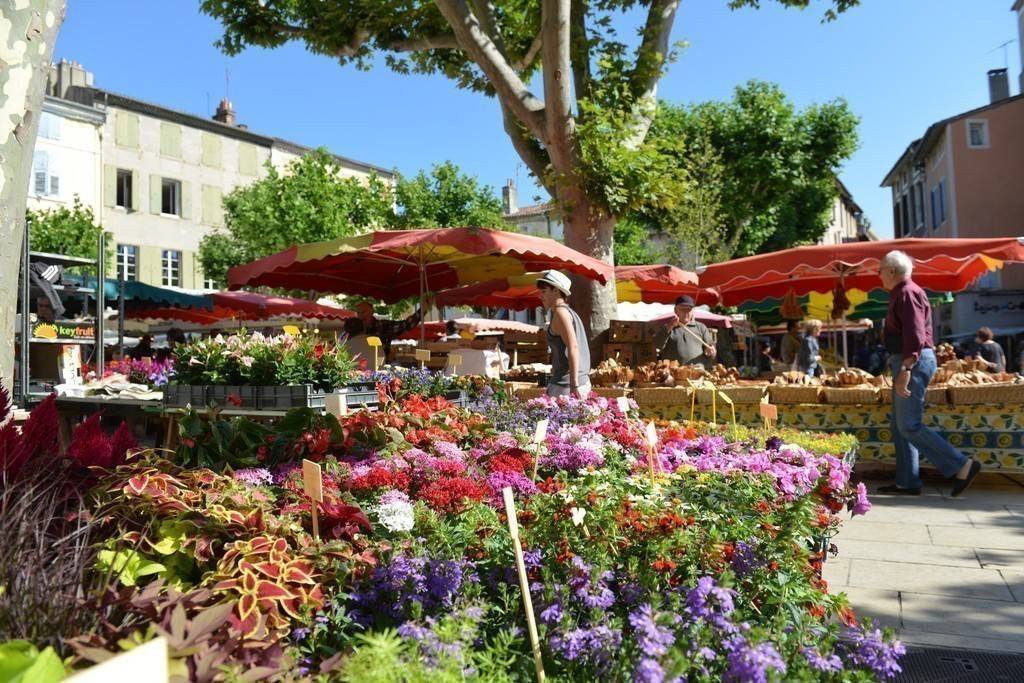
(577,515)
(396,515)
(247,361)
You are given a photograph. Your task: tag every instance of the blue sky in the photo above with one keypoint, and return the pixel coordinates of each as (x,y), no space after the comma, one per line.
(901,64)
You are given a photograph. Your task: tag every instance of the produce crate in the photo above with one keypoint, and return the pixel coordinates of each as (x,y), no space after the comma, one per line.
(291,396)
(644,353)
(527,393)
(655,331)
(975,394)
(621,353)
(781,393)
(181,395)
(851,395)
(359,395)
(752,393)
(662,395)
(626,331)
(934,395)
(458,398)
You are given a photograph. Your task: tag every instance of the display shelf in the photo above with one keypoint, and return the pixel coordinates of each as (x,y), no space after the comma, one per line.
(84,342)
(61,259)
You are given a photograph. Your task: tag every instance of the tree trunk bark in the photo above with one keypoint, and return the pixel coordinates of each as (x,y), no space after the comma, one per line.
(590,231)
(28,31)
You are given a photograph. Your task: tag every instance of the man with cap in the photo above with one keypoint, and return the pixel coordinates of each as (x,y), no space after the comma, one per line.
(689,341)
(567,339)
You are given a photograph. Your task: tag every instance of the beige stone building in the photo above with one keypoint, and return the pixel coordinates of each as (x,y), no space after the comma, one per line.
(154,176)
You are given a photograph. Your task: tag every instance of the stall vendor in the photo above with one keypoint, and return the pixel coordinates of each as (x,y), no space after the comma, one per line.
(689,341)
(790,346)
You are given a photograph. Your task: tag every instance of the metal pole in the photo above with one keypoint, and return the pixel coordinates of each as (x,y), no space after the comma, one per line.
(101,303)
(26,327)
(120,312)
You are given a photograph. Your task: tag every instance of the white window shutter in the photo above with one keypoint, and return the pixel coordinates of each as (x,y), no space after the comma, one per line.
(136,191)
(109,185)
(40,170)
(186,200)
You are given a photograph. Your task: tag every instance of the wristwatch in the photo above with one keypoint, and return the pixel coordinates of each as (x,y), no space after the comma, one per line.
(908,368)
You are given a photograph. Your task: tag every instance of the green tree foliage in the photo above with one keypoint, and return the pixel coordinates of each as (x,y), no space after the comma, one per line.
(778,164)
(69,230)
(312,201)
(445,198)
(582,133)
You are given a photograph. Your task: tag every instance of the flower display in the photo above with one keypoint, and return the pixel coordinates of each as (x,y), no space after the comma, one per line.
(154,373)
(696,561)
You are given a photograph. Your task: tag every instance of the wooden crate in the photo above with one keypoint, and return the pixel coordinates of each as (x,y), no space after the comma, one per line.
(644,353)
(626,331)
(655,331)
(621,353)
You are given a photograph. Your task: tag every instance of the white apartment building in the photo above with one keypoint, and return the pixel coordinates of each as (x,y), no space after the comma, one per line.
(154,176)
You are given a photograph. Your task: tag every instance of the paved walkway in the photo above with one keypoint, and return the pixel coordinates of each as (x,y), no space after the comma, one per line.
(942,571)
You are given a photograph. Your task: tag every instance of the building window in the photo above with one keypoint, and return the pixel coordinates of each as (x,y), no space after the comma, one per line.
(170,268)
(124,190)
(45,181)
(896,223)
(128,262)
(170,197)
(209,283)
(935,208)
(49,126)
(918,205)
(977,134)
(938,204)
(942,201)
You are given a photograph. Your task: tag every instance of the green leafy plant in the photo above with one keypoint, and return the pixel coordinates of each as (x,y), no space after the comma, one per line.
(22,662)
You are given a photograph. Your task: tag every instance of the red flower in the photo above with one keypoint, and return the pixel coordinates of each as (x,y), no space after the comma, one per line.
(449,494)
(512,460)
(847,616)
(235,399)
(664,566)
(338,520)
(380,477)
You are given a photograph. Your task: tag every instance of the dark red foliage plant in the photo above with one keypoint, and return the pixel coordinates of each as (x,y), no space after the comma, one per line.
(91,447)
(36,439)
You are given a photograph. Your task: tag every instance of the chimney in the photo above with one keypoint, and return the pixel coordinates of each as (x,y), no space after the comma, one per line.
(998,85)
(67,79)
(225,114)
(509,201)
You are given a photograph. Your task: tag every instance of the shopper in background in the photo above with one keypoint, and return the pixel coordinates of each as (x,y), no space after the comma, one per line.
(790,346)
(764,358)
(567,339)
(908,338)
(809,356)
(989,350)
(689,340)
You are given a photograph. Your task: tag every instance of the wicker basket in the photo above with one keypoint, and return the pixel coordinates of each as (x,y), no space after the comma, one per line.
(662,396)
(934,395)
(851,395)
(783,393)
(527,393)
(974,394)
(610,392)
(750,393)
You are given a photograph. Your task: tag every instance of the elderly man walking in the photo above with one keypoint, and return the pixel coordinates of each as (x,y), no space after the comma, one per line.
(908,339)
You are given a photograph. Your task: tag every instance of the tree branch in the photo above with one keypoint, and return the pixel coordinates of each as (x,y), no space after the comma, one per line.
(527,59)
(511,90)
(441,42)
(557,90)
(650,60)
(532,154)
(579,49)
(484,12)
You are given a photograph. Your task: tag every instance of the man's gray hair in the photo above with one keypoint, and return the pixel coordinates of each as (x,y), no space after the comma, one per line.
(899,262)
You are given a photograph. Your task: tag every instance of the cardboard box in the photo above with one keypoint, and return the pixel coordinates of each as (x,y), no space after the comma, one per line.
(626,331)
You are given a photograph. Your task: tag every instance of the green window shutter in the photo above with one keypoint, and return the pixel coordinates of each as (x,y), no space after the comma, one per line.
(211,150)
(211,208)
(154,193)
(186,200)
(149,265)
(246,158)
(136,191)
(188,275)
(109,185)
(126,129)
(170,140)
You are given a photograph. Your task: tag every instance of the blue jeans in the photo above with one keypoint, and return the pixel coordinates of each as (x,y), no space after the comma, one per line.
(909,433)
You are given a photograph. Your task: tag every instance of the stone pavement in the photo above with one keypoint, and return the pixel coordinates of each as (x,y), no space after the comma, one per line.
(943,571)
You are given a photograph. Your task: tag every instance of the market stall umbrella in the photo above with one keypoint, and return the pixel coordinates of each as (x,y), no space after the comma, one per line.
(656,284)
(659,284)
(940,265)
(243,306)
(396,264)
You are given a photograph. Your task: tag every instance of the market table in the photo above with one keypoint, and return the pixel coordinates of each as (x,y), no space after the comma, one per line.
(993,434)
(69,407)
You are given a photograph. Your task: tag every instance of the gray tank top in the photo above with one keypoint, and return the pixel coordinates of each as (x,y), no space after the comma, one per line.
(560,354)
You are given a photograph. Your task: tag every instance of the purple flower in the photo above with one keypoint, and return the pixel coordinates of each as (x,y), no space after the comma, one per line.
(648,671)
(751,663)
(594,593)
(520,483)
(861,505)
(745,559)
(869,650)
(653,640)
(300,633)
(597,645)
(819,662)
(254,476)
(448,450)
(553,614)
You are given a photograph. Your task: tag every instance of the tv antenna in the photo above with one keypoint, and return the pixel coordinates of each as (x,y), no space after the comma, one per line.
(1006,54)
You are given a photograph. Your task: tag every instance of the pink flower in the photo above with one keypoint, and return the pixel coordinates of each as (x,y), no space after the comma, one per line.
(861,504)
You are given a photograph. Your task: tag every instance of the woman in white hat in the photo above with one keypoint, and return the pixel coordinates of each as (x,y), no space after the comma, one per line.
(570,355)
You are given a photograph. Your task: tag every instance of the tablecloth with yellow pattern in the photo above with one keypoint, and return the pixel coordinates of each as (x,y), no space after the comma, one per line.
(992,434)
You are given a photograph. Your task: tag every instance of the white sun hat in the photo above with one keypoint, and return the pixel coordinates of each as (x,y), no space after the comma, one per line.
(557,280)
